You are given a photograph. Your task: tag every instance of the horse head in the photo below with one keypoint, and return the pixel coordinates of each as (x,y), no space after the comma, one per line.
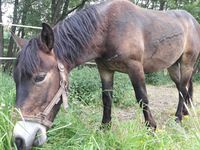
(41,83)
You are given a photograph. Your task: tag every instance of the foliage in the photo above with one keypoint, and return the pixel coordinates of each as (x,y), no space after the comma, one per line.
(123,91)
(85,85)
(157,78)
(190,5)
(196,77)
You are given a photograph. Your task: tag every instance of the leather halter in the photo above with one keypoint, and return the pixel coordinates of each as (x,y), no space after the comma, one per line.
(60,95)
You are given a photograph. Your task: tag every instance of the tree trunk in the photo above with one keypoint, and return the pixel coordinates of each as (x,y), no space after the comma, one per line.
(162,4)
(1,34)
(56,8)
(65,10)
(60,9)
(26,8)
(13,29)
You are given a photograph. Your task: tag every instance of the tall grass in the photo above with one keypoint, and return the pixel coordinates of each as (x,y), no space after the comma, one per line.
(84,133)
(79,126)
(7,94)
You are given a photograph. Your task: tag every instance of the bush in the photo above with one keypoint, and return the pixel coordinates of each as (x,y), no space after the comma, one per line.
(196,77)
(157,78)
(123,94)
(85,86)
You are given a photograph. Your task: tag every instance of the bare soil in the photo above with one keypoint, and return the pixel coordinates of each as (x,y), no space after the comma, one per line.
(163,103)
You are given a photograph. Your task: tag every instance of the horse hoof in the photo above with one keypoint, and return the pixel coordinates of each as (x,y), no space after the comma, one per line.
(178,120)
(105,126)
(151,126)
(185,112)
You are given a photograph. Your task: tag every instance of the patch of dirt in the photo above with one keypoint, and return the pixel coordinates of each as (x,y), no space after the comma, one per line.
(125,114)
(163,103)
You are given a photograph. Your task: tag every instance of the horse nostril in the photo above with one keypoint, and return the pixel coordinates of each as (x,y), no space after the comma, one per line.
(19,143)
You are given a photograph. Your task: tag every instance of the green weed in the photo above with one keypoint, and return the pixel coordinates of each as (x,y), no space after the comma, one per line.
(7,94)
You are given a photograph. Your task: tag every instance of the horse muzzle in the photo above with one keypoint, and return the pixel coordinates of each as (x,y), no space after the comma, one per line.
(27,134)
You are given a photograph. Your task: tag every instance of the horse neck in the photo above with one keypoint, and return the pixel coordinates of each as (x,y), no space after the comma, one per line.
(77,42)
(86,54)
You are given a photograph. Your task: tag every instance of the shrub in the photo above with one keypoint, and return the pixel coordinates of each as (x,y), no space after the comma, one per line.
(157,78)
(196,77)
(123,91)
(85,86)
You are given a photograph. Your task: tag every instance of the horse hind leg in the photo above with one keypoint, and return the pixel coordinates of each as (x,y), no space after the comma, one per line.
(136,75)
(181,75)
(175,75)
(188,99)
(190,92)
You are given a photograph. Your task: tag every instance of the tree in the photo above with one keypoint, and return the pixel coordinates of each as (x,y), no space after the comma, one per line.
(13,29)
(34,12)
(26,6)
(1,33)
(61,8)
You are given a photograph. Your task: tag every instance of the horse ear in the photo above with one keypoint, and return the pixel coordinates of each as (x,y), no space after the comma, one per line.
(19,41)
(47,36)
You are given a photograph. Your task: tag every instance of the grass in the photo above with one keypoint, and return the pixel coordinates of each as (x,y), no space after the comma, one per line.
(79,127)
(7,94)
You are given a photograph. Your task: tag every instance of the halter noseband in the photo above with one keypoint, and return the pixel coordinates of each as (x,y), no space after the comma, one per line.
(61,94)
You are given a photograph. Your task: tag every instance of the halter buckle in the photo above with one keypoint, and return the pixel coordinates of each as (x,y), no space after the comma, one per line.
(63,84)
(61,67)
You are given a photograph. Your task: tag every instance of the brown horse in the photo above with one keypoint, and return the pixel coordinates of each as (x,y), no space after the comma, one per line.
(120,36)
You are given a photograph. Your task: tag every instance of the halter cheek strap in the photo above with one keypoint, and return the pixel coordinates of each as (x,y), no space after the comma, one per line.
(61,92)
(60,95)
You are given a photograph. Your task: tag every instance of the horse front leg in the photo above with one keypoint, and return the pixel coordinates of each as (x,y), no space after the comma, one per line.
(136,74)
(107,92)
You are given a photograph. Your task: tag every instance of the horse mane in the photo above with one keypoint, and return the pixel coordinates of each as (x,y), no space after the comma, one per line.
(73,34)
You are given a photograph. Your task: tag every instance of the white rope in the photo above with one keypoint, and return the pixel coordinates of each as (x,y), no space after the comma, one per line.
(17,25)
(14,58)
(25,26)
(7,58)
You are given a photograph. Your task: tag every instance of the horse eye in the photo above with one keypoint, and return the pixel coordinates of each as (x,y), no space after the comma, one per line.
(39,77)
